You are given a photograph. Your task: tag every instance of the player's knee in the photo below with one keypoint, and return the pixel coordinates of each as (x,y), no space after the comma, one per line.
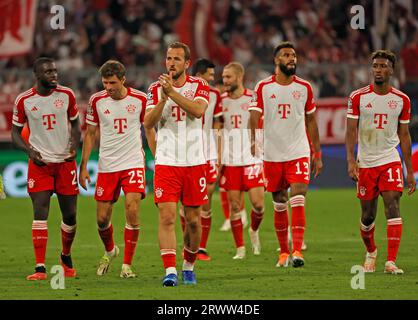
(235,206)
(103,222)
(368,220)
(392,210)
(258,208)
(69,220)
(167,220)
(193,225)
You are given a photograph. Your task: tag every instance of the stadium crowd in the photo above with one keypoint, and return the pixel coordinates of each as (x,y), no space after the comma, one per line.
(332,55)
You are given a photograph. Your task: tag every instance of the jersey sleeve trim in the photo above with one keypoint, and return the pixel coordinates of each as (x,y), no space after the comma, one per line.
(92,123)
(74,117)
(17,123)
(352,116)
(255,109)
(311,111)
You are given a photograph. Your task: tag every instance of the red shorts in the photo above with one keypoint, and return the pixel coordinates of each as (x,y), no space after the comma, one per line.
(60,178)
(109,184)
(242,178)
(373,181)
(280,175)
(211,171)
(187,184)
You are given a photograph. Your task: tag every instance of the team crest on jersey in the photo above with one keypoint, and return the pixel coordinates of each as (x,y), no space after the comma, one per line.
(131,108)
(58,103)
(296,95)
(31,183)
(150,96)
(392,104)
(158,192)
(99,191)
(189,94)
(362,190)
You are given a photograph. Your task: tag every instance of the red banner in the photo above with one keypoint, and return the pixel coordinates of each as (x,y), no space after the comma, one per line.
(331,116)
(17,25)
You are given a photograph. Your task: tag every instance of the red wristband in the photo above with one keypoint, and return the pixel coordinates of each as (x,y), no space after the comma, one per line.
(318,154)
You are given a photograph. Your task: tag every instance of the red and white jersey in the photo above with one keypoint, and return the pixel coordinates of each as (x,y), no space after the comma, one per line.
(179,137)
(236,137)
(284,108)
(379,117)
(48,120)
(213,111)
(120,129)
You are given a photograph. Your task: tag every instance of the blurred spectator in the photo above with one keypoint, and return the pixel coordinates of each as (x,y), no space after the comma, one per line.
(409,55)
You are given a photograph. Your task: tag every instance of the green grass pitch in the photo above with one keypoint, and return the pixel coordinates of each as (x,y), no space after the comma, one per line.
(332,236)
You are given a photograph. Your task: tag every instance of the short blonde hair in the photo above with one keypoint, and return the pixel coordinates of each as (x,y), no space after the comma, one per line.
(238,67)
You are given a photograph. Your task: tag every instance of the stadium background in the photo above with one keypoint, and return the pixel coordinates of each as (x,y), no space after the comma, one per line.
(332,55)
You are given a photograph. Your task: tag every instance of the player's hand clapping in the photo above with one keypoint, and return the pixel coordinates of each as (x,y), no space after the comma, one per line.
(166,82)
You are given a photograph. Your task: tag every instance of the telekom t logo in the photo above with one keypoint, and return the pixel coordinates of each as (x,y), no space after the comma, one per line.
(177,113)
(120,125)
(380,119)
(49,120)
(236,121)
(283,110)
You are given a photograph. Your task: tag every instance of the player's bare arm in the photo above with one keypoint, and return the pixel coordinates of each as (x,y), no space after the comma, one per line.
(194,108)
(20,143)
(350,142)
(313,133)
(254,120)
(75,139)
(405,142)
(153,115)
(88,143)
(152,143)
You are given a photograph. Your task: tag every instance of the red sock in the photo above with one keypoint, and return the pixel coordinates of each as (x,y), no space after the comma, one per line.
(169,258)
(367,234)
(256,218)
(394,234)
(206,223)
(107,237)
(281,224)
(131,238)
(237,231)
(297,203)
(39,238)
(224,203)
(67,237)
(189,255)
